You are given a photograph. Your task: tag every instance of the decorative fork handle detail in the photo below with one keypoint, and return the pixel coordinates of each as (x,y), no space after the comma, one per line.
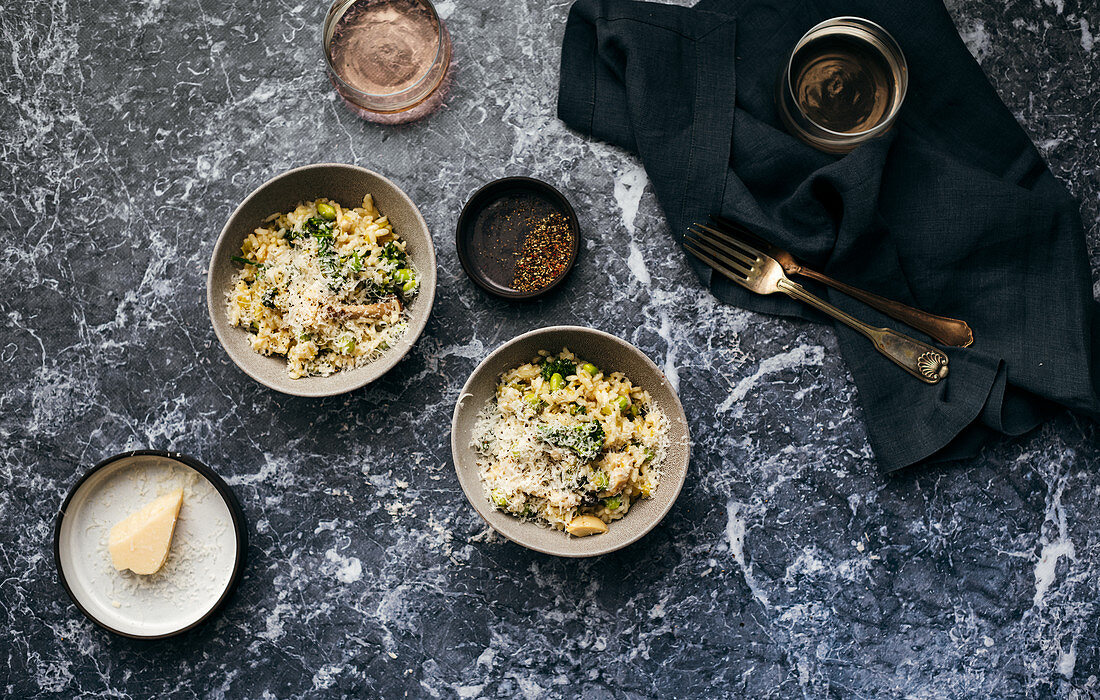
(918,359)
(949,331)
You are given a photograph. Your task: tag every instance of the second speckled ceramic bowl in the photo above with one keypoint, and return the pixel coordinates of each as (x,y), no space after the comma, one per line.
(612,354)
(347,184)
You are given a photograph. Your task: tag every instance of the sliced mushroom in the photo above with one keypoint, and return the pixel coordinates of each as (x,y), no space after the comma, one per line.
(381,309)
(584,525)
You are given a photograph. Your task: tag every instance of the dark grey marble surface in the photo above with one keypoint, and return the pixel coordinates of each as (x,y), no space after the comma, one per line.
(789,566)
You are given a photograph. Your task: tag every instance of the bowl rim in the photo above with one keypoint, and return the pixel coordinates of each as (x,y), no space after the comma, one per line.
(389,359)
(484,192)
(482,508)
(240,529)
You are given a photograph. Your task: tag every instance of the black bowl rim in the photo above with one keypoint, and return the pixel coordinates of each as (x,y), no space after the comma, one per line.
(235,511)
(477,200)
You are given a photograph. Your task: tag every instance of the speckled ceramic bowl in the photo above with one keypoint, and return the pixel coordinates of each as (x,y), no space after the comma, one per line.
(610,353)
(347,184)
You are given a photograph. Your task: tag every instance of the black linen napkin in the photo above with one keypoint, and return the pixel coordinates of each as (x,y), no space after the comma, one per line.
(953,211)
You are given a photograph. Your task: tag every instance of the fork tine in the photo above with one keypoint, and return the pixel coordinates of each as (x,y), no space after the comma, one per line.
(715,250)
(745,248)
(738,277)
(716,242)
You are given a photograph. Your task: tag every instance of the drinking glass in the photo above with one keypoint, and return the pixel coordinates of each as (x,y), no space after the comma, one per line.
(390,60)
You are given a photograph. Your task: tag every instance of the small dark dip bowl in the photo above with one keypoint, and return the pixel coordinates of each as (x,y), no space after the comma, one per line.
(517,238)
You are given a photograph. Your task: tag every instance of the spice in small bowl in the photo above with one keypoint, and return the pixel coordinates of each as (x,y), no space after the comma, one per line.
(517,237)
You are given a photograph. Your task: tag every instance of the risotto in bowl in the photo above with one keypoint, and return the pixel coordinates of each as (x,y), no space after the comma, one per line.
(321,280)
(570,441)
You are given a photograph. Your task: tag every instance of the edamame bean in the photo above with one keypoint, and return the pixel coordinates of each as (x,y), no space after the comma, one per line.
(613,503)
(623,403)
(590,368)
(326,211)
(408,286)
(403,275)
(556,381)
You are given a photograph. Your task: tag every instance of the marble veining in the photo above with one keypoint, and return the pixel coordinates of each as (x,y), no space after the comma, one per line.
(789,567)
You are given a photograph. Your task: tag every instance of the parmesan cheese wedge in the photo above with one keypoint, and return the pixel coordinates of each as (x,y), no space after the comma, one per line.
(141,542)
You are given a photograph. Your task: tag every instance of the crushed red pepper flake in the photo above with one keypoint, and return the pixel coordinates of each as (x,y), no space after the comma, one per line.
(547,248)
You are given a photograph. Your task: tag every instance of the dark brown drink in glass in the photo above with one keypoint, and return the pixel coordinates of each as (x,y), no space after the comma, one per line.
(841,85)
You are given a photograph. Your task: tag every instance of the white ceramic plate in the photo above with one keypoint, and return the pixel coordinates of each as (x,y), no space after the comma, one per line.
(204,563)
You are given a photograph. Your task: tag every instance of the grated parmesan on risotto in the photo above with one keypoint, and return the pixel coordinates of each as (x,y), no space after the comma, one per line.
(323,286)
(568,446)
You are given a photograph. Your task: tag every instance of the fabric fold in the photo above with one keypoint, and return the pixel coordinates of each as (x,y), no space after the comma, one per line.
(953,211)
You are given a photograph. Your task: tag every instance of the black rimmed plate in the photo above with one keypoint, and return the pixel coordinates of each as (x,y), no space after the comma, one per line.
(493,228)
(204,566)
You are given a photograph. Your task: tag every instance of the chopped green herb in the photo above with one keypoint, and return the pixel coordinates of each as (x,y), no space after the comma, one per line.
(391,252)
(373,290)
(585,439)
(562,367)
(317,227)
(244,261)
(355,262)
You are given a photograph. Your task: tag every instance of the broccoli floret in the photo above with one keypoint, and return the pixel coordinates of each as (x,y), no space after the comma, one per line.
(562,367)
(317,227)
(395,255)
(585,439)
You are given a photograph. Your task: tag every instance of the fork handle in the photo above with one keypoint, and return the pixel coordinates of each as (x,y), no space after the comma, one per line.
(949,331)
(918,359)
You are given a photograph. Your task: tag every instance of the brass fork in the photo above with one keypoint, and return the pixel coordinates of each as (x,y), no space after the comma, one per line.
(760,273)
(942,329)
